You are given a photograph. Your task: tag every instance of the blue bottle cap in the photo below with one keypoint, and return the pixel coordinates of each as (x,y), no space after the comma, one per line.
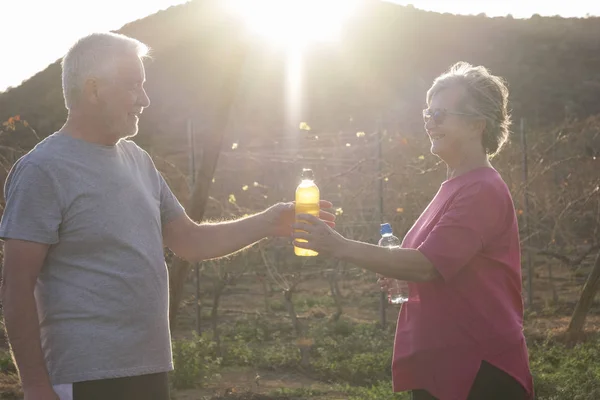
(386,229)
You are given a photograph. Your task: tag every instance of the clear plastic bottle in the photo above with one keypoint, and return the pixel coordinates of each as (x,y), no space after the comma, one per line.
(307,202)
(397,290)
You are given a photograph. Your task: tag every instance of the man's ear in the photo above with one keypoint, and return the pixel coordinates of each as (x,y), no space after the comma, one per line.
(90,91)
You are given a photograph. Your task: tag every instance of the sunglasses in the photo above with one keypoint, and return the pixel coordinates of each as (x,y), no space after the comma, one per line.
(438,115)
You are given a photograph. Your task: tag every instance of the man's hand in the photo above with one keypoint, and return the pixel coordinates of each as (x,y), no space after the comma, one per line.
(40,393)
(281,216)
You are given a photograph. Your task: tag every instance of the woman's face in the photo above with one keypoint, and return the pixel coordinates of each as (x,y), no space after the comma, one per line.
(450,128)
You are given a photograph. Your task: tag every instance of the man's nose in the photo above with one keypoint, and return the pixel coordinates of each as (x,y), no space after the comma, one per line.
(144,100)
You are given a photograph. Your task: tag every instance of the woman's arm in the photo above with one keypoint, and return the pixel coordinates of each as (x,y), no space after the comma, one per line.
(403,264)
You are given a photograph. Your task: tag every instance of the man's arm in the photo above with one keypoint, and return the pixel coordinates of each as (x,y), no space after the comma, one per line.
(22,264)
(198,242)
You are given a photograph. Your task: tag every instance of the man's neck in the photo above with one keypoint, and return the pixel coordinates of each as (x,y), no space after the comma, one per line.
(85,129)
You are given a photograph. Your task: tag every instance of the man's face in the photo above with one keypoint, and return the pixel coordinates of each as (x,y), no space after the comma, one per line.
(122,99)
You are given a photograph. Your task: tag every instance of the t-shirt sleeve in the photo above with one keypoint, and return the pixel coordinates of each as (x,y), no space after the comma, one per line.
(473,218)
(33,206)
(170,207)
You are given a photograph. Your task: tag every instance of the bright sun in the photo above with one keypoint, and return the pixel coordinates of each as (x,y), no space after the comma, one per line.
(294,23)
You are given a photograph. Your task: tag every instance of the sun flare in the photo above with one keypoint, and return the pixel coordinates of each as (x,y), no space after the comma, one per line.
(294,23)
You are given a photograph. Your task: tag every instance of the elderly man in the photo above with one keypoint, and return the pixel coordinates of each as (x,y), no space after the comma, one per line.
(85,288)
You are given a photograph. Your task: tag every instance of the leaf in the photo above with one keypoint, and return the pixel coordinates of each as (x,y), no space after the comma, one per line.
(348,145)
(339,211)
(399,210)
(234,146)
(304,126)
(360,134)
(245,187)
(232,199)
(421,157)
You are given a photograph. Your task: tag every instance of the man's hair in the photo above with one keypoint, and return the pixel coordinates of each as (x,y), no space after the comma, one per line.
(95,56)
(486,96)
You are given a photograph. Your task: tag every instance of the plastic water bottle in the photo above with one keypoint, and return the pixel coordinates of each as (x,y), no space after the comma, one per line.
(397,290)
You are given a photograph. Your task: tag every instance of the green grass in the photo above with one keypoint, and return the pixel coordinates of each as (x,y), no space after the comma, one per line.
(354,358)
(562,372)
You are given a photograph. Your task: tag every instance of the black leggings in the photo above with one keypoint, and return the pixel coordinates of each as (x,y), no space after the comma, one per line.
(490,383)
(143,387)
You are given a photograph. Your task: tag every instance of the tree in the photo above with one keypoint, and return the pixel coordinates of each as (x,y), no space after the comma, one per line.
(204,175)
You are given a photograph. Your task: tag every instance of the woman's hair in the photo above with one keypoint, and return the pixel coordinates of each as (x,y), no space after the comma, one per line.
(486,96)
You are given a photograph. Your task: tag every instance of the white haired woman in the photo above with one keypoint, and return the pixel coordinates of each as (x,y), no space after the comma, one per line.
(460,335)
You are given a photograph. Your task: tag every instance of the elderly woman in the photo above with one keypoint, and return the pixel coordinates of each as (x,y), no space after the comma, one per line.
(460,335)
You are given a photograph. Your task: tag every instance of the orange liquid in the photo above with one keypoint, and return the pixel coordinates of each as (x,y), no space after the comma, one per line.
(307,202)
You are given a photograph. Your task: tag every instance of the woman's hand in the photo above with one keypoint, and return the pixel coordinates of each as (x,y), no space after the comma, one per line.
(384,283)
(319,236)
(279,217)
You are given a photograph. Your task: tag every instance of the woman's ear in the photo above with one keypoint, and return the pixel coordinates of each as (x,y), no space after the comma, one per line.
(479,125)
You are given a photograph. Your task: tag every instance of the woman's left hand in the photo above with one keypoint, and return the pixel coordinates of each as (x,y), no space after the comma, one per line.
(319,236)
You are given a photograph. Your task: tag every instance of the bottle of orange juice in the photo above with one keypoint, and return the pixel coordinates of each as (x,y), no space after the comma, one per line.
(307,202)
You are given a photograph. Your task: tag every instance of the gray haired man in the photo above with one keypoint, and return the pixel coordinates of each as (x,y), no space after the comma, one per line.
(85,284)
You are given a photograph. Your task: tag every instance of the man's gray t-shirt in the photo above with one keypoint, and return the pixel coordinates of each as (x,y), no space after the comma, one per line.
(102,294)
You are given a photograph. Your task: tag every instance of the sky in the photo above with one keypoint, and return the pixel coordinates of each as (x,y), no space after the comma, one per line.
(58,23)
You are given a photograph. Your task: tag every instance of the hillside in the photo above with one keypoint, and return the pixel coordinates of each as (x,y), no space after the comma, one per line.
(382,68)
(386,62)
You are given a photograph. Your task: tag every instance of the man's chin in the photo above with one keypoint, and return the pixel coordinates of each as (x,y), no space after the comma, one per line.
(129,133)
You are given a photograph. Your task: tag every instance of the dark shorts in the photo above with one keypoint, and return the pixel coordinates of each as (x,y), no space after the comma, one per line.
(143,387)
(490,383)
